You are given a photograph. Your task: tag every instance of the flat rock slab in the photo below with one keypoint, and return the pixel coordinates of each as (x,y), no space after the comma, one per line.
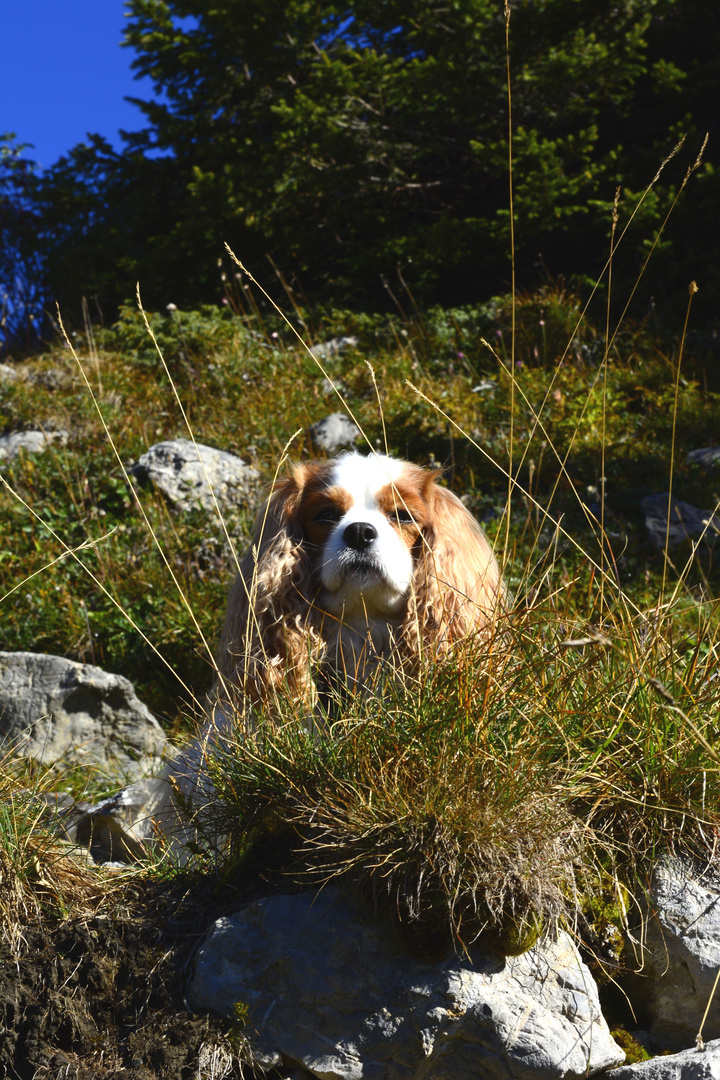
(328,988)
(53,709)
(185,472)
(688,1065)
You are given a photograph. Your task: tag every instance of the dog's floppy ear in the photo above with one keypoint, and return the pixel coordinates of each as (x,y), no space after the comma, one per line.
(266,640)
(457,580)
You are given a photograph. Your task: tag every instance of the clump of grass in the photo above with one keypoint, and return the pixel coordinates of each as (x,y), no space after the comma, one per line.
(42,877)
(492,795)
(403,799)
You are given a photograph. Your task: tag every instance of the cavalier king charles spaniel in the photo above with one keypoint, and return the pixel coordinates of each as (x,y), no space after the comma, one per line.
(356,564)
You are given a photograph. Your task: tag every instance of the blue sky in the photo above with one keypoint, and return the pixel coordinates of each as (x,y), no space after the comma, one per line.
(63,74)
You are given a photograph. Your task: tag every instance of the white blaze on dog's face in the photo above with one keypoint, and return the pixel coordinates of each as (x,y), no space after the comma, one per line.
(365,522)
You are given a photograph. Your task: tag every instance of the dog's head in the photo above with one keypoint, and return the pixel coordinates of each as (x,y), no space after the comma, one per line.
(361,520)
(362,542)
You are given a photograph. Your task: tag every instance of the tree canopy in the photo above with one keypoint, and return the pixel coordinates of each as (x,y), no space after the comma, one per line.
(353,142)
(21,269)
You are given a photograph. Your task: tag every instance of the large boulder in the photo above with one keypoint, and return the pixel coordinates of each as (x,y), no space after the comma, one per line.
(681,957)
(185,472)
(55,710)
(325,986)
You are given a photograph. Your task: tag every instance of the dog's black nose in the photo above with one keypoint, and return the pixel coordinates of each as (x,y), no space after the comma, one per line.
(359,535)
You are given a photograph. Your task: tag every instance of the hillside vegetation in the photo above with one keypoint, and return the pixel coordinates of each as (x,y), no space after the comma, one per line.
(532,779)
(528,783)
(246,384)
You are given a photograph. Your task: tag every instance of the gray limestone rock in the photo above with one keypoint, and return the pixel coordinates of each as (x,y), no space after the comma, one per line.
(8,374)
(328,988)
(688,1065)
(327,349)
(120,828)
(174,806)
(33,442)
(682,956)
(50,378)
(706,457)
(686,521)
(333,433)
(185,472)
(53,709)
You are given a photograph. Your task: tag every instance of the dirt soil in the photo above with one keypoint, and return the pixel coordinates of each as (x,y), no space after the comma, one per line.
(103,998)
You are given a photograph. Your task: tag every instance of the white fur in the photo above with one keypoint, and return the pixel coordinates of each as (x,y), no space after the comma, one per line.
(363,477)
(375,584)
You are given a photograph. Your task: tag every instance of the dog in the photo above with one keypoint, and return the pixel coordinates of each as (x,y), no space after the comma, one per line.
(356,564)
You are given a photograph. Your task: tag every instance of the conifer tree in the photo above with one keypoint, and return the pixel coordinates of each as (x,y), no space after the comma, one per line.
(348,141)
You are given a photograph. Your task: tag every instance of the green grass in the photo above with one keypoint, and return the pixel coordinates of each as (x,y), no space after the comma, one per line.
(505,789)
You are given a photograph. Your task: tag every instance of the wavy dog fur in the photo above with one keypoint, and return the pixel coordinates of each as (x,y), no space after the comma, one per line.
(353,561)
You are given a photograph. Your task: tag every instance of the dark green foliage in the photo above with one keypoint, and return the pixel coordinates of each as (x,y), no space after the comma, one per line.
(183,338)
(21,267)
(356,144)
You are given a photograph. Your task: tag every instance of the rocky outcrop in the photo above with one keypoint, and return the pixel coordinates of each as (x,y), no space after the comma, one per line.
(189,474)
(681,957)
(33,442)
(326,987)
(55,710)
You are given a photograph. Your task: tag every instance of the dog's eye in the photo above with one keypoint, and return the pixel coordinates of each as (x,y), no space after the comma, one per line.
(401,516)
(328,516)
